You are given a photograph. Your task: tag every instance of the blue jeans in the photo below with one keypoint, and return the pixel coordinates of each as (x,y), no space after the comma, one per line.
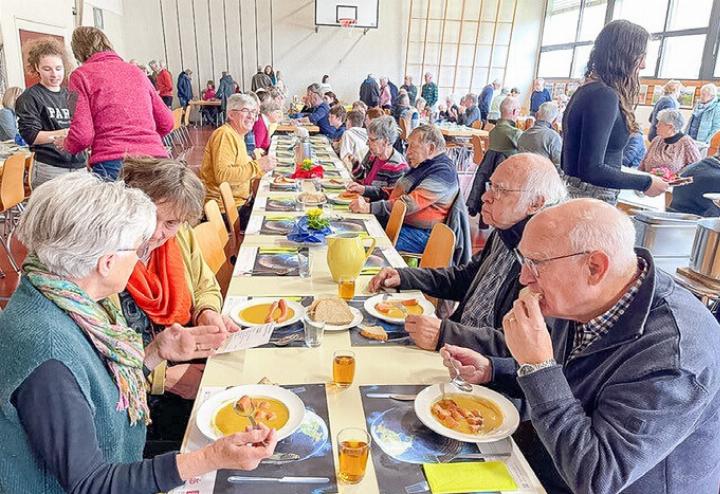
(108,170)
(412,239)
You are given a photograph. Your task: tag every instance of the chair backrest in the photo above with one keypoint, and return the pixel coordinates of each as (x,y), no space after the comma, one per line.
(395,221)
(12,188)
(403,129)
(489,126)
(440,247)
(210,246)
(229,204)
(479,149)
(29,166)
(477,124)
(177,118)
(714,144)
(214,216)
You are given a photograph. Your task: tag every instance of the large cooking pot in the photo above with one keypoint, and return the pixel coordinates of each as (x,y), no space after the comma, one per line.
(705,256)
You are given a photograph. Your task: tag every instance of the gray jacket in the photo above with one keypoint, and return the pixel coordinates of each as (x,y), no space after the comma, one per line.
(638,411)
(543,140)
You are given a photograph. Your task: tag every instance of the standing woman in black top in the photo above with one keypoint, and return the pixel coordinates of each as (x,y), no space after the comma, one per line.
(44,113)
(600,117)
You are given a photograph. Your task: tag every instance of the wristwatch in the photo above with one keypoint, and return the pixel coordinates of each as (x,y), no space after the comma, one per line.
(526,369)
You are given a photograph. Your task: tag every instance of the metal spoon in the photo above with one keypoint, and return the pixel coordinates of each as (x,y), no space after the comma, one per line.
(276,272)
(286,340)
(249,413)
(458,381)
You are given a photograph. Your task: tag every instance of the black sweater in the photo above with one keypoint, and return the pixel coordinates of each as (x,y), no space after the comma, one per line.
(39,109)
(594,137)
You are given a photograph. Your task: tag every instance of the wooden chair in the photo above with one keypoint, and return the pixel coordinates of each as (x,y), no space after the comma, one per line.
(489,126)
(404,129)
(214,217)
(12,193)
(714,144)
(395,221)
(477,124)
(439,250)
(231,212)
(29,167)
(213,253)
(479,149)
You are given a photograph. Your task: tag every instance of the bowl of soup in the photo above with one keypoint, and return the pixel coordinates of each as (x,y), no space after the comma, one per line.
(273,406)
(482,415)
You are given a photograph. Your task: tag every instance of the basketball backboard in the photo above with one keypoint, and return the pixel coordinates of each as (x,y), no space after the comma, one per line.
(364,12)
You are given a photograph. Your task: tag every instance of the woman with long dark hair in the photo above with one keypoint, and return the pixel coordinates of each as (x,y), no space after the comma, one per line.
(599,117)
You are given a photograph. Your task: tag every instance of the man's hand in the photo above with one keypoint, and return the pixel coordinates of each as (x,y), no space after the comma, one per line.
(209,317)
(184,380)
(356,187)
(424,331)
(386,278)
(526,334)
(359,205)
(244,450)
(267,163)
(472,366)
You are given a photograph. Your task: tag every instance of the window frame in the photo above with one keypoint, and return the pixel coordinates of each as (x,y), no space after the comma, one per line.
(708,56)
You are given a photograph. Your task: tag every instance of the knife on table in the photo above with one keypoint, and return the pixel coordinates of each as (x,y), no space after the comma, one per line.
(236,479)
(393,396)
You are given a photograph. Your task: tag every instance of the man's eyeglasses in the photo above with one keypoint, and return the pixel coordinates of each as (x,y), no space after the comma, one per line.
(532,264)
(246,112)
(498,190)
(142,251)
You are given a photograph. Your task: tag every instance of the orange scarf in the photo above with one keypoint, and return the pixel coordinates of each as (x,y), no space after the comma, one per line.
(160,289)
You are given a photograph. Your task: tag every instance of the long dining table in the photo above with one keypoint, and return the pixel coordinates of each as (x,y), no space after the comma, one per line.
(304,368)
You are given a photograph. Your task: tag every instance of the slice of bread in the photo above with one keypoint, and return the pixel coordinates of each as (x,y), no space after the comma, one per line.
(374,333)
(331,310)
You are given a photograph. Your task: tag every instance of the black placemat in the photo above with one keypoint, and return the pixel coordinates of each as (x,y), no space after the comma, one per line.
(280,204)
(400,442)
(295,328)
(349,225)
(311,441)
(269,263)
(272,226)
(396,332)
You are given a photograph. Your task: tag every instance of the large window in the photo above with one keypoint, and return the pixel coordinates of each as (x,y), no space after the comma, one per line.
(681,47)
(463,43)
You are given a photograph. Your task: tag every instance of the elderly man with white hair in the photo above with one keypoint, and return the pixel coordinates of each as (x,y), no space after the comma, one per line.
(471,113)
(488,285)
(226,158)
(504,136)
(705,118)
(541,138)
(539,95)
(73,392)
(671,150)
(624,390)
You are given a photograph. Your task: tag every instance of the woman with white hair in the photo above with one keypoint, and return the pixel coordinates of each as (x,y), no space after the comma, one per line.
(669,100)
(73,393)
(383,165)
(226,158)
(705,118)
(671,149)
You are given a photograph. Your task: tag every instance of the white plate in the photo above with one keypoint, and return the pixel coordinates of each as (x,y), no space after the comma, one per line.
(713,196)
(339,200)
(205,419)
(429,395)
(311,203)
(296,307)
(428,308)
(357,319)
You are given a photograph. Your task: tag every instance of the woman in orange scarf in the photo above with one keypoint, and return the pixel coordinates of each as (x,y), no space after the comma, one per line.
(171,286)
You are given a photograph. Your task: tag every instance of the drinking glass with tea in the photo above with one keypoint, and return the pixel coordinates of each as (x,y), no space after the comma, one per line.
(346,288)
(353,448)
(343,368)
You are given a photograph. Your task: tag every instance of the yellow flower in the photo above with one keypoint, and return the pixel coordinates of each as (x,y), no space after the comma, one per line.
(314,213)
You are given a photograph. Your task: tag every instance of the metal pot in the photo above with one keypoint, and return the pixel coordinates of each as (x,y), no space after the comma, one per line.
(705,256)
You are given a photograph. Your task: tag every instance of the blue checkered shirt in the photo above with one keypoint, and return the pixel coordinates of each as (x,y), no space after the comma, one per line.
(586,334)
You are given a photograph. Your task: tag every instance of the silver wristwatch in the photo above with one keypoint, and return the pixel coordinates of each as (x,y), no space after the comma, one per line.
(526,369)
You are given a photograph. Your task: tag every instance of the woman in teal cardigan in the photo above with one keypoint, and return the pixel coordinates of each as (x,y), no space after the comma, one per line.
(73,398)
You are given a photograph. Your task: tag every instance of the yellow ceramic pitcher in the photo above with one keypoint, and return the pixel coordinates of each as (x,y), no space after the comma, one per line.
(347,255)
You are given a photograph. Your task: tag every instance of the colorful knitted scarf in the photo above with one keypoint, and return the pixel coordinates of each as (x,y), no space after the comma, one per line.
(120,346)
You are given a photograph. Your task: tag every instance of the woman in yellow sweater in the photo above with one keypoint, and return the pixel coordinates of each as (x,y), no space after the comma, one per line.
(171,286)
(226,158)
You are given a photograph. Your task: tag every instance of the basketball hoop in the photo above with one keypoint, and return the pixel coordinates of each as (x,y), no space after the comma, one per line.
(347,23)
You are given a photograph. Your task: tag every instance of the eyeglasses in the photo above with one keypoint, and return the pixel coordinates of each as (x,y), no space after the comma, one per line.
(499,191)
(142,251)
(246,112)
(532,264)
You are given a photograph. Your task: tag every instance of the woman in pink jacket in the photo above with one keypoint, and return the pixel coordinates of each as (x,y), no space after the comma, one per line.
(118,112)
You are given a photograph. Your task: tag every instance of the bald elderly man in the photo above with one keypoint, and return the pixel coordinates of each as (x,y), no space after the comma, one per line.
(624,391)
(487,286)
